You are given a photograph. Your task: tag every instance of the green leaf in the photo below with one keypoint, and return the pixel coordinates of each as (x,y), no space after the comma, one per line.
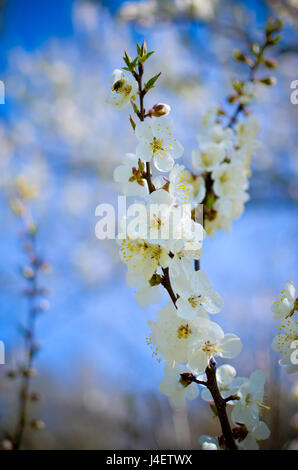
(214,410)
(150,84)
(275,40)
(133,124)
(149,54)
(144,49)
(127,59)
(131,64)
(141,166)
(134,106)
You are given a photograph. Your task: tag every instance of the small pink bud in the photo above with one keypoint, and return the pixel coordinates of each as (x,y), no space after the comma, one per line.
(160,109)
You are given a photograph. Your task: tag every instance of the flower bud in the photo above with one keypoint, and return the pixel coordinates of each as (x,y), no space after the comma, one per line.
(270,63)
(37,424)
(239,56)
(186,379)
(268,81)
(273,25)
(255,48)
(28,272)
(155,280)
(160,109)
(238,86)
(232,98)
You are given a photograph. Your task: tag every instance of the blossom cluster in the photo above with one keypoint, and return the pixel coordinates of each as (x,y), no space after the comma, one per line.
(184,333)
(223,159)
(286,341)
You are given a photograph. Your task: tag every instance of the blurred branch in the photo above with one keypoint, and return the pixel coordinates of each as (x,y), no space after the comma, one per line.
(36,305)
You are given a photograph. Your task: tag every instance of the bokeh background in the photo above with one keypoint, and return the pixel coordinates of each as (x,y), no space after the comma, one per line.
(97,377)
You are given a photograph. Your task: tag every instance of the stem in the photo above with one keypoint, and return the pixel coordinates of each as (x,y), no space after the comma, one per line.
(142,114)
(148,178)
(167,285)
(29,355)
(142,92)
(234,117)
(241,107)
(220,404)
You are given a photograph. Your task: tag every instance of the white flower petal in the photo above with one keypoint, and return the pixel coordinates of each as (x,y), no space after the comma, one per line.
(231,345)
(163,162)
(148,295)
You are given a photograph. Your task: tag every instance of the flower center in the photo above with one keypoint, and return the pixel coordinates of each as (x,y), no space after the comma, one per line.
(183,331)
(156,221)
(206,159)
(209,348)
(195,300)
(224,178)
(154,251)
(156,145)
(122,87)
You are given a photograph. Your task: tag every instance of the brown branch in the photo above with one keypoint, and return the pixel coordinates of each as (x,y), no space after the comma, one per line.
(165,281)
(231,398)
(219,402)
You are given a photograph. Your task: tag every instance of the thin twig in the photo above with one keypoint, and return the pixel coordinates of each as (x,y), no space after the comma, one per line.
(241,107)
(30,348)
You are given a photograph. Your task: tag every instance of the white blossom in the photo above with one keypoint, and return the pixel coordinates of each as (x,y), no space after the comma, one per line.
(214,343)
(286,343)
(157,142)
(123,174)
(179,187)
(196,295)
(174,388)
(258,432)
(175,337)
(208,156)
(247,409)
(247,131)
(229,179)
(123,88)
(285,305)
(142,259)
